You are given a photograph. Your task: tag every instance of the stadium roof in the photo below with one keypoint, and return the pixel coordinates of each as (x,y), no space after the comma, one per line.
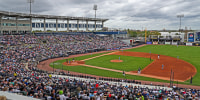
(24,15)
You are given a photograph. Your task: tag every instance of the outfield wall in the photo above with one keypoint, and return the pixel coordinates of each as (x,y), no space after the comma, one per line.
(174,43)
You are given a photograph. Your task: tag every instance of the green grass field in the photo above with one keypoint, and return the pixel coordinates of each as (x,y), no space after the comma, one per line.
(187,53)
(105,73)
(129,63)
(99,72)
(190,54)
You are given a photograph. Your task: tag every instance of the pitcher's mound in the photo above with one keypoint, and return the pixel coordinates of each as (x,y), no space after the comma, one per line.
(116,60)
(75,63)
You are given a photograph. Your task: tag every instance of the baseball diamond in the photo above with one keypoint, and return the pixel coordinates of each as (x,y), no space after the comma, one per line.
(187,70)
(182,69)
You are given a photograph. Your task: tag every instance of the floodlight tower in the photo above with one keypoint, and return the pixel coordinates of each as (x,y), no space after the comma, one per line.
(30,1)
(180,16)
(95,9)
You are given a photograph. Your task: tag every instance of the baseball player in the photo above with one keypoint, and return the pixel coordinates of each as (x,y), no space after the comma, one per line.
(123,73)
(67,60)
(162,66)
(139,70)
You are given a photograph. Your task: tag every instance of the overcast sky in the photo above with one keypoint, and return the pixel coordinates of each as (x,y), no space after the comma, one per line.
(132,14)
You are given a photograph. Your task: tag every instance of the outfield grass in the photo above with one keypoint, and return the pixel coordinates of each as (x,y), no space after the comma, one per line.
(87,56)
(129,63)
(190,54)
(59,62)
(186,53)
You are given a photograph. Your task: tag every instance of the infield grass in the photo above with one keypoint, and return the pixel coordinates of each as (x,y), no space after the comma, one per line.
(129,63)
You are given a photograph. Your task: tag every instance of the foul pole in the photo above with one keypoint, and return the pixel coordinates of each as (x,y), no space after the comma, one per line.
(145,35)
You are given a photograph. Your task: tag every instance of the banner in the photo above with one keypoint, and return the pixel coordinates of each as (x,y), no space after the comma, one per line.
(174,43)
(168,43)
(190,37)
(149,42)
(189,44)
(155,42)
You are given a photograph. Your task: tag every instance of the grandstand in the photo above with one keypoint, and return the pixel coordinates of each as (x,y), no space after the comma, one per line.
(21,54)
(11,22)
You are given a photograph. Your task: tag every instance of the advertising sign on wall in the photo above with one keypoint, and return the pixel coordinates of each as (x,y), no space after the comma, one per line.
(155,42)
(174,43)
(197,36)
(190,37)
(149,42)
(167,42)
(189,44)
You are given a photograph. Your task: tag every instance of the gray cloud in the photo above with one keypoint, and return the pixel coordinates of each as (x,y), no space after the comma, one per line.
(153,14)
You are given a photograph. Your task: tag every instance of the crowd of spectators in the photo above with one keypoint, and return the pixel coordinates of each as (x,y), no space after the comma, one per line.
(20,54)
(42,86)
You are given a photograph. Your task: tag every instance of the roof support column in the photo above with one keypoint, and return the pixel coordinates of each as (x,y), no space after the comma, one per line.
(78,25)
(102,25)
(44,24)
(16,24)
(67,25)
(87,25)
(56,25)
(1,25)
(30,24)
(95,27)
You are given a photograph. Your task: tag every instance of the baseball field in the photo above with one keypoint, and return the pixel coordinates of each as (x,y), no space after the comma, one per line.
(182,60)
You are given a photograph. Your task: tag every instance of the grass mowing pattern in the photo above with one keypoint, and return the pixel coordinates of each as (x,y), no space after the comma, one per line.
(129,63)
(186,53)
(86,56)
(98,72)
(190,54)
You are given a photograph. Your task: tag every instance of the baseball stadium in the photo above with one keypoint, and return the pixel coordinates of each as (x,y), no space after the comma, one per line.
(51,57)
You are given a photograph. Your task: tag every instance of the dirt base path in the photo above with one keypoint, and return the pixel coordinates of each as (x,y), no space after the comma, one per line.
(182,69)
